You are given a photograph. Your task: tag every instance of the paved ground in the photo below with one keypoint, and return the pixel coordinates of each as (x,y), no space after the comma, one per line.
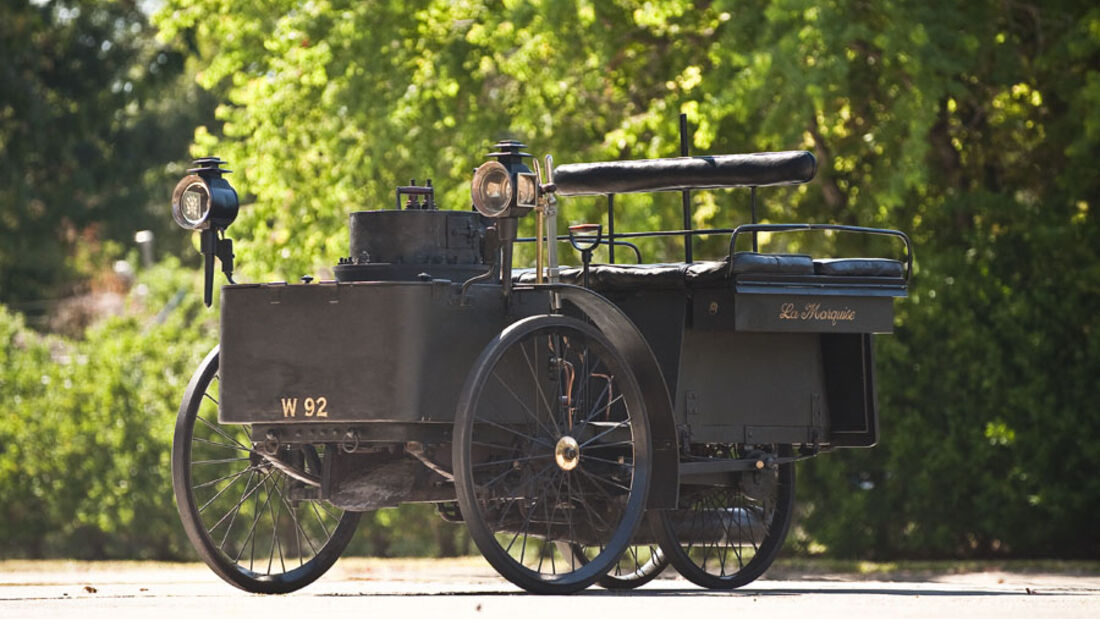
(468,588)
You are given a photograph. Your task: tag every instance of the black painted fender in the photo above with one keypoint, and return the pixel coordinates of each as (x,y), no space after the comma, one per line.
(622,332)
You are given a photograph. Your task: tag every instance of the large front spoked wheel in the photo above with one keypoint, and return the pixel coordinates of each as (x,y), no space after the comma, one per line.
(254,519)
(551,451)
(723,537)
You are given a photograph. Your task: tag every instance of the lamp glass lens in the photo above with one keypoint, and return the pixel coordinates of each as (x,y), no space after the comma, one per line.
(526,191)
(195,203)
(491,190)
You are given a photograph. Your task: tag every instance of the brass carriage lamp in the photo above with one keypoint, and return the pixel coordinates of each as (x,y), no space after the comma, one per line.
(505,187)
(205,201)
(505,190)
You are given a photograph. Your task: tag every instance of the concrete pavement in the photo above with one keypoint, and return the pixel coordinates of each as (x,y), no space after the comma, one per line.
(469,588)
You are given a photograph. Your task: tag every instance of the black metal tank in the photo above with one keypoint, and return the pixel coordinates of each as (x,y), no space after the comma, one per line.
(414,244)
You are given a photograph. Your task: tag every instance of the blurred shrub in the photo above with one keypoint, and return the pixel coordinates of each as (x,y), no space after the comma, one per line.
(988,414)
(85,438)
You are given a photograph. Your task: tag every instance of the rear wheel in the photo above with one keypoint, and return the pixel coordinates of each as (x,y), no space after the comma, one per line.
(723,537)
(638,565)
(253,518)
(551,451)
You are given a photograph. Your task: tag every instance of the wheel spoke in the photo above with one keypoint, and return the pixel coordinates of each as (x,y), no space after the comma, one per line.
(217,444)
(299,532)
(601,480)
(516,432)
(621,424)
(275,542)
(225,477)
(236,510)
(596,411)
(594,515)
(220,461)
(222,491)
(605,460)
(538,387)
(523,405)
(223,433)
(320,520)
(248,493)
(481,465)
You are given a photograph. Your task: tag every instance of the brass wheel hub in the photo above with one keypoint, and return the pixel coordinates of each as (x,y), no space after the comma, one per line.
(567,453)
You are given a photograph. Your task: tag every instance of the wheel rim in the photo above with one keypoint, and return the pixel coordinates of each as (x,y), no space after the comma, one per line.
(727,536)
(551,448)
(250,521)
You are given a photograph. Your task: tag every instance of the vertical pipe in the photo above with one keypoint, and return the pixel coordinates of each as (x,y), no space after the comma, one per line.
(686,194)
(611,228)
(540,228)
(552,229)
(209,246)
(753,190)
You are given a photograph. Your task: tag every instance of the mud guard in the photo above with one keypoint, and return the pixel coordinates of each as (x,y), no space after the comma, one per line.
(609,319)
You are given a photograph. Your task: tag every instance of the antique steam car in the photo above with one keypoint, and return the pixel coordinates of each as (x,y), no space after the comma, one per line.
(587,424)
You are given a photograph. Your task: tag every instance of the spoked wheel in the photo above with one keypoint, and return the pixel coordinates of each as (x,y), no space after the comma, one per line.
(637,566)
(254,520)
(551,448)
(723,537)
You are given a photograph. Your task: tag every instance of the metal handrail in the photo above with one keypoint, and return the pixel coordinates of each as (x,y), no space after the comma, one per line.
(565,238)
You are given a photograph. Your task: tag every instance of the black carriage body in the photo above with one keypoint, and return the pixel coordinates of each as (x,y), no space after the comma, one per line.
(389,342)
(332,355)
(778,384)
(342,352)
(759,358)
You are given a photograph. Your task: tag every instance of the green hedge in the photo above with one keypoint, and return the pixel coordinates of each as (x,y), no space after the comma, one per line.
(990,426)
(85,438)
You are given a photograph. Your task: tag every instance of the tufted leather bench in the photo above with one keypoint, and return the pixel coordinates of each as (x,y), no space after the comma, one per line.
(680,276)
(859,267)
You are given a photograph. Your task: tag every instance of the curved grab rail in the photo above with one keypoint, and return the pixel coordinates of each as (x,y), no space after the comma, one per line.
(747,228)
(565,238)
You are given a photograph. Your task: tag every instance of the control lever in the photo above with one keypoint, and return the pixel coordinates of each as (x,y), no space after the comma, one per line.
(585,238)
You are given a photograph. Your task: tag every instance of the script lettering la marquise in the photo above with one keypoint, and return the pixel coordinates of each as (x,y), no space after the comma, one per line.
(814,311)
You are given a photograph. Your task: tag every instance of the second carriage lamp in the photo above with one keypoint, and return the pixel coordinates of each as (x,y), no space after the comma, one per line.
(505,187)
(505,190)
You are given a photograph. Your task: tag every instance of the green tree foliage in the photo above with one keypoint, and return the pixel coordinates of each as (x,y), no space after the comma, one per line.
(91,109)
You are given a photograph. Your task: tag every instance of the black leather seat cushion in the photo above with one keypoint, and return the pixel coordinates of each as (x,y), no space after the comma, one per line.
(677,275)
(620,276)
(859,267)
(629,276)
(786,264)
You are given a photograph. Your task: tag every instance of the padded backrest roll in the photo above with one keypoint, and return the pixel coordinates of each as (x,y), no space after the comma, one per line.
(705,172)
